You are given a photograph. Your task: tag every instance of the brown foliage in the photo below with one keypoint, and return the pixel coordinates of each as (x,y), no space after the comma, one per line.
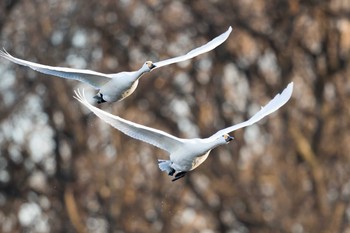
(73,173)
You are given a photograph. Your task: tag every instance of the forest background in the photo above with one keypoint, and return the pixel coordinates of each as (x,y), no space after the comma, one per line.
(64,170)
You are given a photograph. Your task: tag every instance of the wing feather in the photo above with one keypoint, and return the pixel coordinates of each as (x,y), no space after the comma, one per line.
(93,78)
(197,51)
(278,101)
(152,136)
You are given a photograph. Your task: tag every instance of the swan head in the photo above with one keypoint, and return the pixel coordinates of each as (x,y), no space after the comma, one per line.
(227,138)
(150,65)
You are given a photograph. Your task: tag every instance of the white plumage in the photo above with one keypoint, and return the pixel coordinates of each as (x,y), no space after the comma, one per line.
(115,87)
(185,154)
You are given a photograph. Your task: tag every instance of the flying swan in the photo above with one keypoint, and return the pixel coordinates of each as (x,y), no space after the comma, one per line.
(185,154)
(115,87)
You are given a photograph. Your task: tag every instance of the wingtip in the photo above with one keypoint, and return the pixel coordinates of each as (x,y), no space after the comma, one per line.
(225,35)
(76,94)
(80,96)
(287,92)
(290,87)
(229,30)
(4,53)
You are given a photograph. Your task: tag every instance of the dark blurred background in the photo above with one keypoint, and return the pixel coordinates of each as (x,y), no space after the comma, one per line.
(64,170)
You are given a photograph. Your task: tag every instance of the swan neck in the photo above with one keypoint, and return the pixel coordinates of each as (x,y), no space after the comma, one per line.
(142,70)
(215,143)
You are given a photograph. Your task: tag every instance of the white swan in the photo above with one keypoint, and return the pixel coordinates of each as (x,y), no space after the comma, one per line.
(185,154)
(115,87)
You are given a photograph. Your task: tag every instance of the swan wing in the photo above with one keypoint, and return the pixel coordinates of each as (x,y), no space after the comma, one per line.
(278,101)
(197,51)
(146,134)
(93,78)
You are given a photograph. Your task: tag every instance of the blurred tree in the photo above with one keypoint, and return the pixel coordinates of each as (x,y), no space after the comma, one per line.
(64,170)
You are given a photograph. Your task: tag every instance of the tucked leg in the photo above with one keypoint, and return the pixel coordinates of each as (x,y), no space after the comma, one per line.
(179,175)
(165,166)
(99,98)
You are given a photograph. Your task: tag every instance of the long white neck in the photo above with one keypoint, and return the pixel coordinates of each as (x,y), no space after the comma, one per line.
(142,70)
(211,144)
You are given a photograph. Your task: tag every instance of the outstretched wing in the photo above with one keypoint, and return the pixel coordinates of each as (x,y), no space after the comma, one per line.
(278,101)
(93,78)
(152,136)
(195,52)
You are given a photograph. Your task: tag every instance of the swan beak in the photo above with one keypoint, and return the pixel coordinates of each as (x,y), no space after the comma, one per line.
(228,138)
(152,66)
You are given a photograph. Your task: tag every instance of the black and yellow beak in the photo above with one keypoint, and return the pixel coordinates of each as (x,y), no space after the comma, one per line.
(228,138)
(152,66)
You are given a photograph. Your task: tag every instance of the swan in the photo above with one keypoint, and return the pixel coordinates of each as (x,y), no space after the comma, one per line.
(115,87)
(185,154)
